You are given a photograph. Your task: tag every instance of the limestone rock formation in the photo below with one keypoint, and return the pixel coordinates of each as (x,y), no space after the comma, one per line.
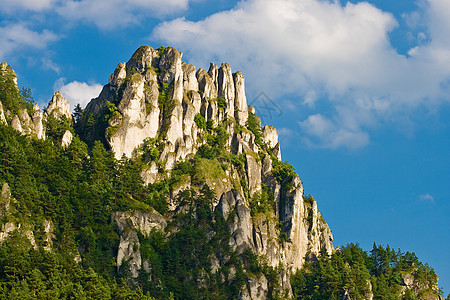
(32,122)
(5,200)
(157,96)
(129,224)
(410,282)
(8,211)
(66,139)
(38,126)
(2,115)
(156,99)
(16,124)
(188,131)
(59,106)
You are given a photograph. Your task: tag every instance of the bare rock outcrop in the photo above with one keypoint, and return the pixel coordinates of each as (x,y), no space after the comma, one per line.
(16,124)
(59,106)
(2,115)
(128,225)
(66,139)
(38,126)
(240,103)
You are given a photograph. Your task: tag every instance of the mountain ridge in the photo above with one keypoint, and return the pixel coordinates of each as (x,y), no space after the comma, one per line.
(192,183)
(220,103)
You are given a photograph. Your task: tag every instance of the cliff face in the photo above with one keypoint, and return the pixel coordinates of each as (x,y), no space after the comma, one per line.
(156,95)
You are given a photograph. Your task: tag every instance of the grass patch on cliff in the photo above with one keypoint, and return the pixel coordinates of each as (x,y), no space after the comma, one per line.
(208,170)
(161,50)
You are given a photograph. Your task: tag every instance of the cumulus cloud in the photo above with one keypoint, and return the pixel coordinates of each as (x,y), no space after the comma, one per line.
(108,14)
(317,48)
(16,36)
(78,92)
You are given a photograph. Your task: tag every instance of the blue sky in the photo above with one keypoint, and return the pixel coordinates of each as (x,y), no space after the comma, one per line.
(362,91)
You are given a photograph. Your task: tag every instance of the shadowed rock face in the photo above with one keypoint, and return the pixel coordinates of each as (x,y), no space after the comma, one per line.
(156,95)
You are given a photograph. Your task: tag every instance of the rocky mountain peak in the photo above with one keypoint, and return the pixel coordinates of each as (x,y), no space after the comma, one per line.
(157,95)
(59,106)
(157,100)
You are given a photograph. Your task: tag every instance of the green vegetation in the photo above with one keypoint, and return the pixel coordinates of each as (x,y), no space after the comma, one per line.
(150,151)
(353,270)
(166,106)
(77,193)
(283,172)
(122,87)
(10,96)
(183,259)
(92,128)
(254,126)
(36,274)
(56,127)
(79,187)
(200,121)
(161,50)
(221,103)
(262,202)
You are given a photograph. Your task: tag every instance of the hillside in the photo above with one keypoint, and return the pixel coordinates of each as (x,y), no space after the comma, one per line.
(167,186)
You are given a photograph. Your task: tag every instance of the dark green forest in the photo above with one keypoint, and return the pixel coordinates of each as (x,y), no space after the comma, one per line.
(78,188)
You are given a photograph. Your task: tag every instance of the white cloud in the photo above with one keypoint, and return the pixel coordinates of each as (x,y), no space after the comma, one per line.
(324,133)
(316,47)
(106,14)
(17,36)
(427,198)
(10,6)
(109,14)
(48,64)
(78,92)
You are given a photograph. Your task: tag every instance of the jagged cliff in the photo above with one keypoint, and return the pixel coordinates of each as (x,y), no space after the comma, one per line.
(156,95)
